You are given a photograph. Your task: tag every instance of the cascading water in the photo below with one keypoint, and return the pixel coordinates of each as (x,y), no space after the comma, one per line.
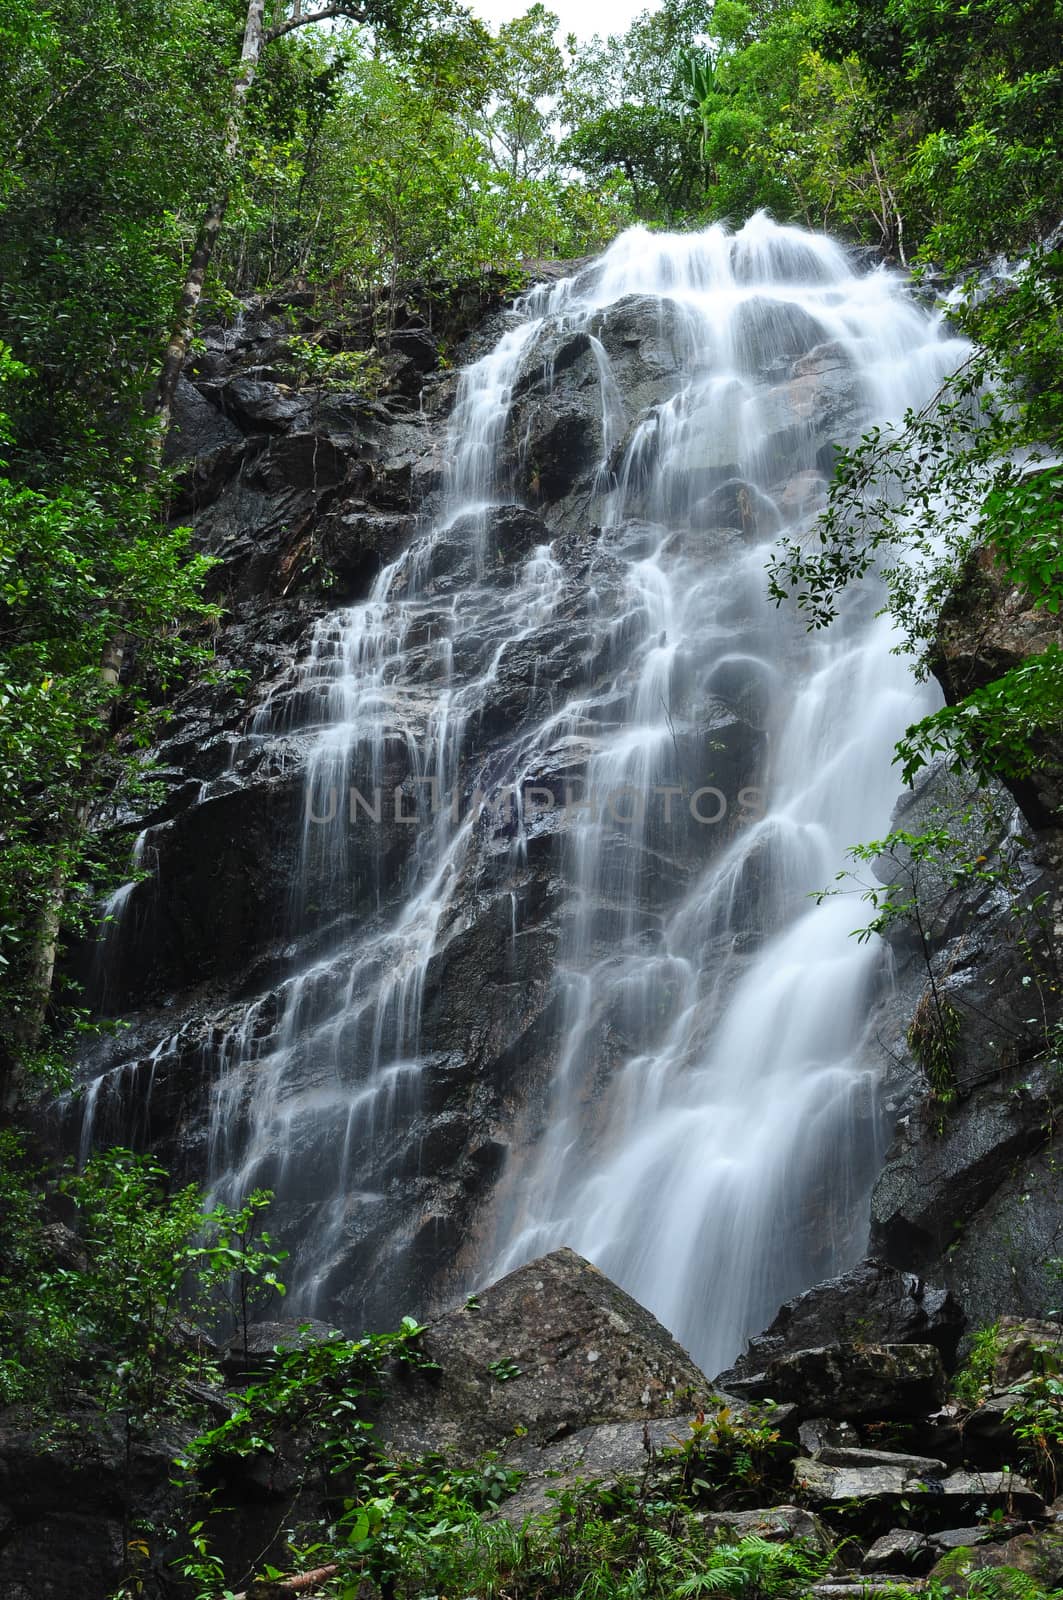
(725,1164)
(708,1133)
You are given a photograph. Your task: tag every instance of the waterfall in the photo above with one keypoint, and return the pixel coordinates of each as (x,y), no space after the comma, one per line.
(680,762)
(726,1164)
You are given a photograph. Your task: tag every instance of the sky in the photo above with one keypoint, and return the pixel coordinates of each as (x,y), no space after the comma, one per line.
(581,17)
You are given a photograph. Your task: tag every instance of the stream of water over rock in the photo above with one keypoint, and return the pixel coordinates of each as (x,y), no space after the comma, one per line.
(688,763)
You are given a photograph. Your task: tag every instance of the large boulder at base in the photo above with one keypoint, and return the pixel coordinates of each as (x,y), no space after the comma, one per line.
(854,1381)
(553,1347)
(872,1301)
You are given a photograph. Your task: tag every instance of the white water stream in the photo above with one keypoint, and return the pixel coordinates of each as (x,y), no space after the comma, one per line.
(728,1166)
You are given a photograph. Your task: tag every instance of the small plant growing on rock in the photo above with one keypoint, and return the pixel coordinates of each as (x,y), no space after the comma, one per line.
(976,1374)
(1037,1416)
(730,1453)
(504,1370)
(357,370)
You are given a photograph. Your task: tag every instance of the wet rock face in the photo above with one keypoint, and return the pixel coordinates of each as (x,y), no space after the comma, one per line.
(988,628)
(928,1188)
(304,495)
(966,1194)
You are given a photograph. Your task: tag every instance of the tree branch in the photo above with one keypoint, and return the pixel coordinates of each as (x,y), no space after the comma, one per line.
(352,12)
(296,1585)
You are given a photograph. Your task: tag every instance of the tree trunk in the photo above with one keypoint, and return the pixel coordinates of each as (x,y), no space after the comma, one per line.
(256,38)
(23,1032)
(209,229)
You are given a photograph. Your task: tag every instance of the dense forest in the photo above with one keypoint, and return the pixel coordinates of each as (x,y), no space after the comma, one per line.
(165,163)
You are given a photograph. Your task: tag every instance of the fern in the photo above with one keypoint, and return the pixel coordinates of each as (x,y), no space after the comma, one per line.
(711,1581)
(1004,1583)
(668,1551)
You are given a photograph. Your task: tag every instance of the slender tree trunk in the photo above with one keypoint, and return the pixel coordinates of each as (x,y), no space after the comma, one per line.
(209,229)
(185,320)
(23,1032)
(256,38)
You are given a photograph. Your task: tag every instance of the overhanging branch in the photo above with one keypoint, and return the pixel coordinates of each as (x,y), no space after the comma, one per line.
(301,18)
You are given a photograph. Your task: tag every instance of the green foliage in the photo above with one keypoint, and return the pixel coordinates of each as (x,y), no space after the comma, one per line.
(998,729)
(243,1256)
(525,77)
(907,124)
(504,1370)
(439,171)
(932,1037)
(316,1390)
(736,1456)
(95,219)
(348,370)
(583,1549)
(101,1313)
(959,1568)
(976,1374)
(972,93)
(1037,1418)
(83,566)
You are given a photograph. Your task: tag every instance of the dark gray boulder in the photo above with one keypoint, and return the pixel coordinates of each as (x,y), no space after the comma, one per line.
(197,426)
(849,1456)
(900,1550)
(260,404)
(776,1524)
(266,1339)
(873,1301)
(932,1502)
(853,1381)
(821,1433)
(551,1348)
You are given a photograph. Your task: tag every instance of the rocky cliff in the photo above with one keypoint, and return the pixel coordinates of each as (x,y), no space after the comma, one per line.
(304,492)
